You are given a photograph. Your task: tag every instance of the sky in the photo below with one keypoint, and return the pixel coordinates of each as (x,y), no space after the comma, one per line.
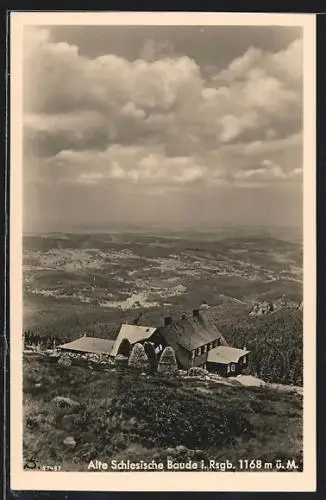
(165,126)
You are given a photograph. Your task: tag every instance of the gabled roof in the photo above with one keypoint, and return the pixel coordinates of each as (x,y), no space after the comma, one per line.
(191,332)
(89,344)
(225,355)
(134,333)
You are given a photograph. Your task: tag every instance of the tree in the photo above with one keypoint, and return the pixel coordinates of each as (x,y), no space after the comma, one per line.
(138,358)
(151,355)
(168,363)
(124,348)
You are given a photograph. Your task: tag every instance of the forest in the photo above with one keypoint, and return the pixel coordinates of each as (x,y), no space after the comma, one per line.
(275,341)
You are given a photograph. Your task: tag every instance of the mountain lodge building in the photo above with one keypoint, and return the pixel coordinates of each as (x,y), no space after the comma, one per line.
(195,340)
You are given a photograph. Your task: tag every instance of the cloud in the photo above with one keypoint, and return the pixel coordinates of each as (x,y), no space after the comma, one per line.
(285,65)
(267,172)
(134,165)
(90,178)
(161,119)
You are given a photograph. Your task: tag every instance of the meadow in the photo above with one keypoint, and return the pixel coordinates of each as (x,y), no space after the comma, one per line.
(119,416)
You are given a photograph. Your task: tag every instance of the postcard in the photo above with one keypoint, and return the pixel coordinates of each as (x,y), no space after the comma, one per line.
(162,251)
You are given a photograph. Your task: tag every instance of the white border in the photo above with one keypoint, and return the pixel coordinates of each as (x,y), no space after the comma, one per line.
(162,481)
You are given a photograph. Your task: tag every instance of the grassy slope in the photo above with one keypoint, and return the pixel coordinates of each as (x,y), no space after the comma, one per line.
(130,416)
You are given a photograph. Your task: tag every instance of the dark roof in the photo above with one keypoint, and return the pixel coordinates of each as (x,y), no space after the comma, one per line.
(90,345)
(225,355)
(191,332)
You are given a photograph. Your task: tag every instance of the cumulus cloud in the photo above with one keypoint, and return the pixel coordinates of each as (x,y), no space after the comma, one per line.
(160,119)
(137,165)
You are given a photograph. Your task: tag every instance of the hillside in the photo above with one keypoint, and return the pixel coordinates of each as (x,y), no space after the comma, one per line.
(126,415)
(275,340)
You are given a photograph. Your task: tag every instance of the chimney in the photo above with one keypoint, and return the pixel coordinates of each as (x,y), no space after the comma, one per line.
(196,313)
(167,321)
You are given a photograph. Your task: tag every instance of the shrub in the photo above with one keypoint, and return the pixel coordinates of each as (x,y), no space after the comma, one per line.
(138,358)
(151,355)
(65,361)
(168,363)
(121,361)
(124,348)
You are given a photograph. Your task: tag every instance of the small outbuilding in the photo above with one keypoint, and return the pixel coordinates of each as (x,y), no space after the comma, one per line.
(226,360)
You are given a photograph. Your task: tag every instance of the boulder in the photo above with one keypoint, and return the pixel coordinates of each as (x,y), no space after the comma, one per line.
(197,371)
(65,402)
(181,448)
(69,442)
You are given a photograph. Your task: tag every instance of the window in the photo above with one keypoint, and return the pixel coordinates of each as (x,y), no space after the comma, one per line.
(232,367)
(205,348)
(244,360)
(198,351)
(192,354)
(210,346)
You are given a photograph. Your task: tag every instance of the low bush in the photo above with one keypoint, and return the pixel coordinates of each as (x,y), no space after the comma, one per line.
(170,417)
(65,361)
(121,361)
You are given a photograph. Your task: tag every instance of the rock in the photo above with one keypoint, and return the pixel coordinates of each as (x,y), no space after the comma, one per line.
(197,371)
(170,451)
(68,418)
(70,442)
(68,421)
(65,402)
(181,448)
